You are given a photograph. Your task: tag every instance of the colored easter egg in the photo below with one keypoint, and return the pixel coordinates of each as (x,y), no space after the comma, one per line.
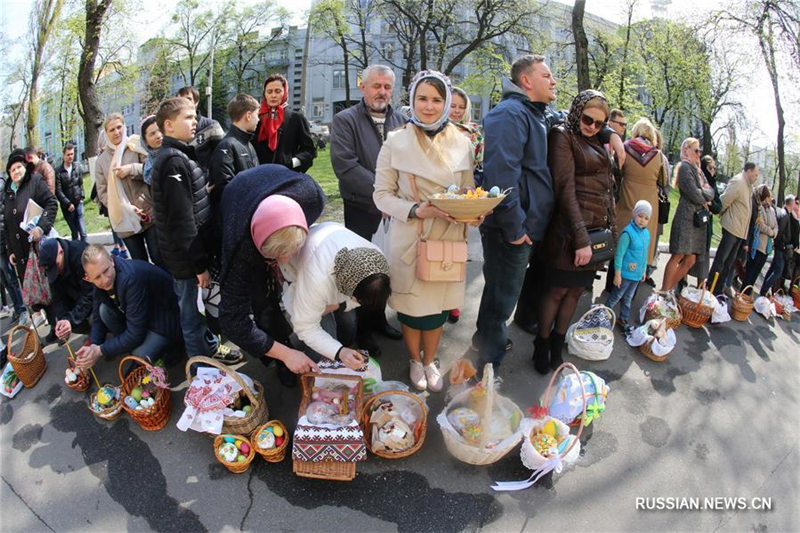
(277,431)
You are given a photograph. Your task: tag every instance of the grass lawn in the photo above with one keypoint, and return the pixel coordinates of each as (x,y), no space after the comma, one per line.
(321,171)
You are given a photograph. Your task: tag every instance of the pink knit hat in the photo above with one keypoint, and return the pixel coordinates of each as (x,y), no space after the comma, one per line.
(273,213)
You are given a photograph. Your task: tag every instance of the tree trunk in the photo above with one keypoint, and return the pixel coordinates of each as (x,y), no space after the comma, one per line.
(46,14)
(768,51)
(87,93)
(581,45)
(621,97)
(708,147)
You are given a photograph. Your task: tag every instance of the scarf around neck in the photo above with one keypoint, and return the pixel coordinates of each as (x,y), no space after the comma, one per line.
(272,119)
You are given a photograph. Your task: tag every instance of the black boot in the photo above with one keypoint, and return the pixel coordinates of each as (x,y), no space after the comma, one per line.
(541,355)
(556,346)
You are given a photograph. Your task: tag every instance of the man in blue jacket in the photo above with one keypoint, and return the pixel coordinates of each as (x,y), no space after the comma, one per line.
(135,301)
(515,157)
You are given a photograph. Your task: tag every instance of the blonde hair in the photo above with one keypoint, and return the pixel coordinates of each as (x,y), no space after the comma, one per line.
(432,146)
(110,117)
(689,143)
(285,241)
(644,128)
(93,253)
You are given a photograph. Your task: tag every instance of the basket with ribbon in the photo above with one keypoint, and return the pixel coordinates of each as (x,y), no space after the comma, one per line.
(146,394)
(547,444)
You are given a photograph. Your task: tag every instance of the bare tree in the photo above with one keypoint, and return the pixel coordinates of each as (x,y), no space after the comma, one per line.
(775,25)
(194,30)
(248,37)
(44,15)
(581,45)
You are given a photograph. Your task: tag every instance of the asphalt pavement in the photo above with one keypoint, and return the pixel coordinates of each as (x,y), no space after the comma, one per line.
(704,441)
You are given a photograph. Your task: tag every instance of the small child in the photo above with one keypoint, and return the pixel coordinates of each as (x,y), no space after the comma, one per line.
(630,261)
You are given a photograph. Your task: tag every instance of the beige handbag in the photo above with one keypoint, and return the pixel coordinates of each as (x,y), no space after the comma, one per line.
(439,260)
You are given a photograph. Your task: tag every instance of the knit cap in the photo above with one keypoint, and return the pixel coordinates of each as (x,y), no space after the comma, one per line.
(642,207)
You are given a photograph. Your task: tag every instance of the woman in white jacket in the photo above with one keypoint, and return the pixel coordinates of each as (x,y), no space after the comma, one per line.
(428,154)
(334,272)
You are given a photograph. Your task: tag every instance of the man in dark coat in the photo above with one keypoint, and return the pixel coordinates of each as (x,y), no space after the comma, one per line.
(357,135)
(249,309)
(135,302)
(71,294)
(70,194)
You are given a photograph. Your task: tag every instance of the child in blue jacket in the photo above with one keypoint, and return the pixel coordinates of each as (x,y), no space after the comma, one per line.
(630,261)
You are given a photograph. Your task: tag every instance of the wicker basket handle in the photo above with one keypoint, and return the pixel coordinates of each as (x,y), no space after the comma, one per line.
(27,329)
(122,364)
(549,392)
(231,372)
(742,292)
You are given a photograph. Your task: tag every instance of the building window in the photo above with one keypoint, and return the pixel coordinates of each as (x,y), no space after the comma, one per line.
(317,109)
(338,79)
(387,50)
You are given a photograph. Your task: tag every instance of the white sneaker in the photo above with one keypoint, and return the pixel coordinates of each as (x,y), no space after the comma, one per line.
(433,377)
(417,373)
(5,312)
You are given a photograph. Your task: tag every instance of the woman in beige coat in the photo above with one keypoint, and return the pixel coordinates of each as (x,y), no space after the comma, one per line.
(130,210)
(431,153)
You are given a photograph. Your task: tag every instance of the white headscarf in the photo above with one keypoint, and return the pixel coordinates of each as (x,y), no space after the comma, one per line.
(442,120)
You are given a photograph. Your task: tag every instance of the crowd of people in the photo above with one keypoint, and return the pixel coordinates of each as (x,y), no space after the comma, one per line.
(201,212)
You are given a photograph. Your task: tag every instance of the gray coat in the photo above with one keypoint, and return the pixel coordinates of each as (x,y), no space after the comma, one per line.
(685,238)
(355,144)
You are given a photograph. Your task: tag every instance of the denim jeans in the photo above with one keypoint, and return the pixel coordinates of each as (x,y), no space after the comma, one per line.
(11,284)
(196,336)
(144,246)
(153,346)
(624,296)
(504,267)
(775,271)
(76,222)
(724,260)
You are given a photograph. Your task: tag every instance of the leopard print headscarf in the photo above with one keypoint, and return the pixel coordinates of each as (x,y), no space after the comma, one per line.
(351,266)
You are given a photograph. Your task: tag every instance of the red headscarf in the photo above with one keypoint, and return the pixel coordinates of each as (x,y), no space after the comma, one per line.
(272,117)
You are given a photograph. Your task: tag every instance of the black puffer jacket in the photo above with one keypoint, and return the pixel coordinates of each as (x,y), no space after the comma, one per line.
(246,281)
(31,187)
(233,154)
(182,210)
(69,186)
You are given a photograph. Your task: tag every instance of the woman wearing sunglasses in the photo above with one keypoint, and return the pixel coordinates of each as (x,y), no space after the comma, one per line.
(582,186)
(688,235)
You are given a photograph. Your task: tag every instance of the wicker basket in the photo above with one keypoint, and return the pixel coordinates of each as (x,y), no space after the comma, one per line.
(647,351)
(258,415)
(112,412)
(742,305)
(419,433)
(237,467)
(271,455)
(467,209)
(83,381)
(795,291)
(479,455)
(331,470)
(695,314)
(154,417)
(31,365)
(780,309)
(532,455)
(673,322)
